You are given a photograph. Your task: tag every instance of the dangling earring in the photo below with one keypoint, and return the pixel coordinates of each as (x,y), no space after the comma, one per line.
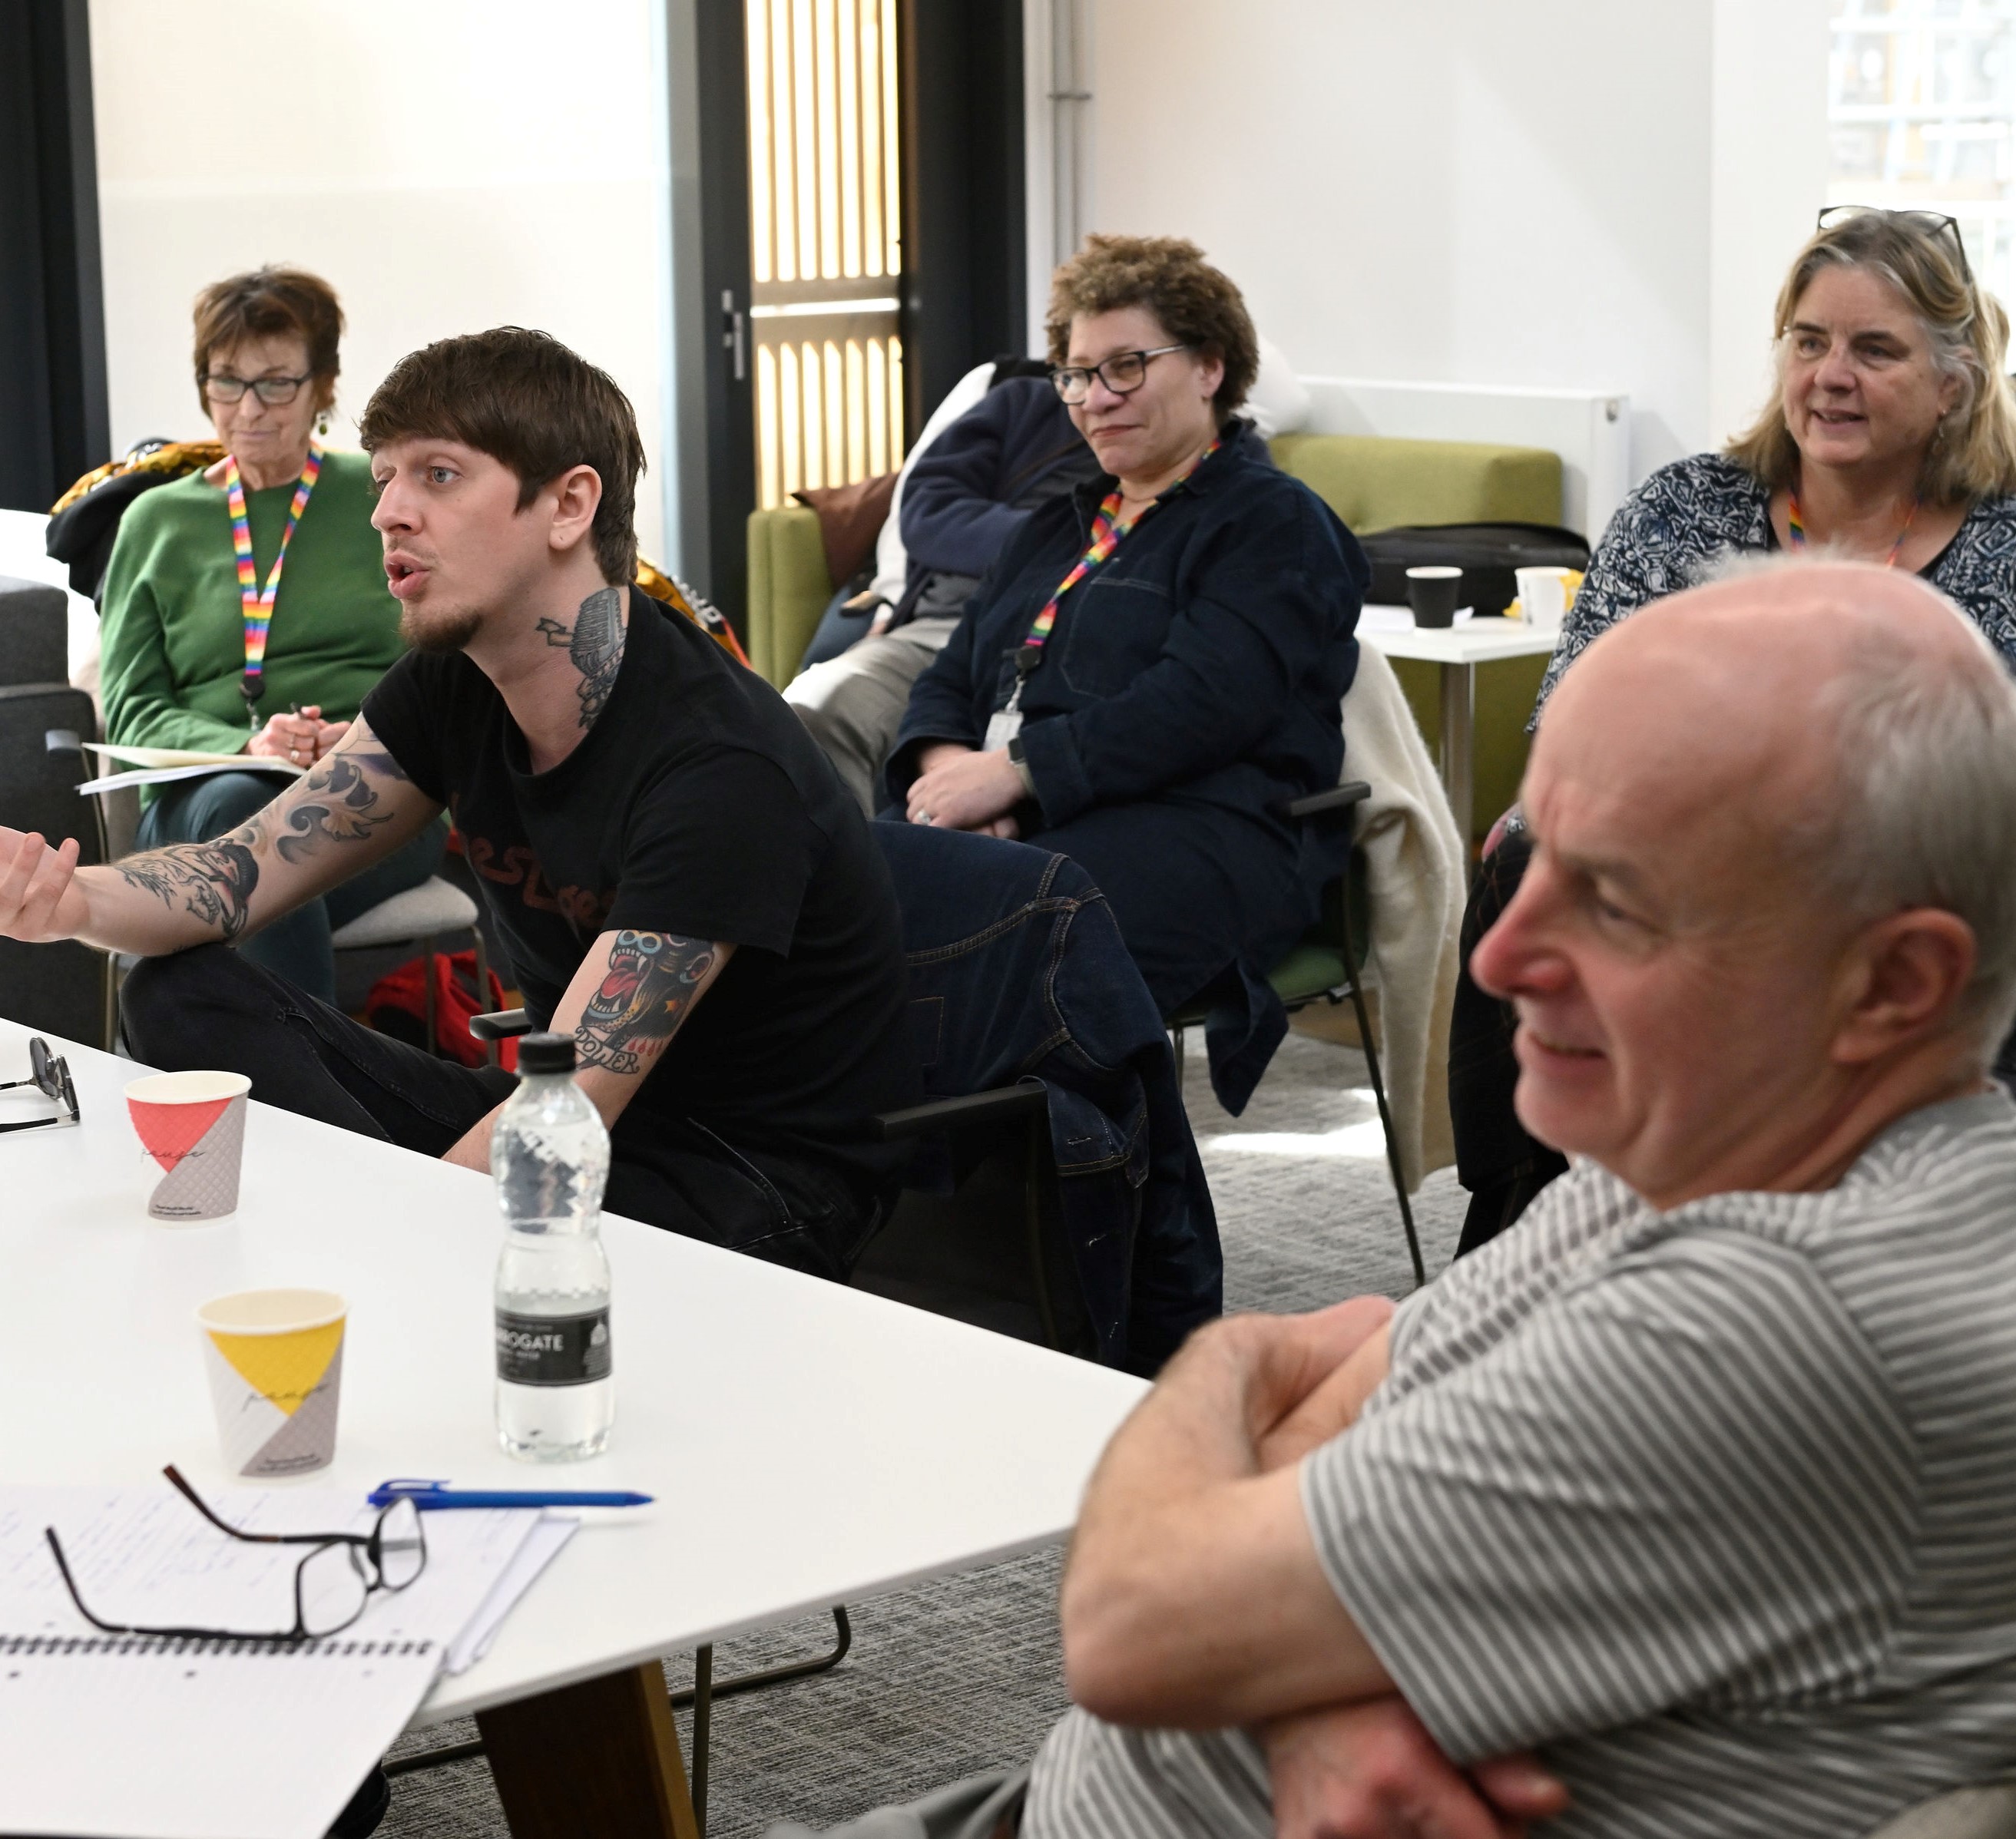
(322,422)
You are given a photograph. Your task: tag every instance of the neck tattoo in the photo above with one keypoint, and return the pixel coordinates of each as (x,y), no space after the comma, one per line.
(594,643)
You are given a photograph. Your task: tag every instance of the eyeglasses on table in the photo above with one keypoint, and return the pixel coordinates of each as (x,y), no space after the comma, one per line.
(50,1073)
(334,1582)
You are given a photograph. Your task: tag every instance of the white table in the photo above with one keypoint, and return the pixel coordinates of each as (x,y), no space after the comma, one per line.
(807,1444)
(1457,650)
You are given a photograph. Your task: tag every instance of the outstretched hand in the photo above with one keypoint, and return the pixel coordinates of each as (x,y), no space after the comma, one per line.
(39,898)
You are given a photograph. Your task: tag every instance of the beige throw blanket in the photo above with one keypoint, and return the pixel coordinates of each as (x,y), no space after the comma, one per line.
(1419,874)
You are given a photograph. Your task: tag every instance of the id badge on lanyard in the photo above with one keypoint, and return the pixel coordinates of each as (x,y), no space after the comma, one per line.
(1006,722)
(1003,725)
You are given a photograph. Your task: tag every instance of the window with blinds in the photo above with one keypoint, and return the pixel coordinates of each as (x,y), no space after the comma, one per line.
(825,237)
(1921,111)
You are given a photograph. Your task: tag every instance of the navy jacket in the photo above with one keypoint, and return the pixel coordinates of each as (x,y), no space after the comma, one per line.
(1205,661)
(966,496)
(1017,973)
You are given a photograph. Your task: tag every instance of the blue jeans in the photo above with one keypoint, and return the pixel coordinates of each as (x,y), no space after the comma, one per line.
(210,1008)
(296,948)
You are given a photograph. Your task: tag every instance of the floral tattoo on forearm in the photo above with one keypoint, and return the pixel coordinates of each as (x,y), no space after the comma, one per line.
(338,803)
(214,881)
(652,979)
(595,644)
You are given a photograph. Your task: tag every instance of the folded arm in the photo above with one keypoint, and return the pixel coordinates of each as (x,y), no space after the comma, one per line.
(1194,1598)
(631,995)
(356,808)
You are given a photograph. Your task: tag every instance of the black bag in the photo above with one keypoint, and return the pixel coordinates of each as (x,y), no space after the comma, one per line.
(1487,553)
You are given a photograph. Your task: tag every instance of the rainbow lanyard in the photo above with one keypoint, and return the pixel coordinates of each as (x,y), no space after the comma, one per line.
(1107,531)
(1796,527)
(257,606)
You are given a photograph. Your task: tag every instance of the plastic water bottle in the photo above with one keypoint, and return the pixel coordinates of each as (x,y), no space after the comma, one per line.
(549,1156)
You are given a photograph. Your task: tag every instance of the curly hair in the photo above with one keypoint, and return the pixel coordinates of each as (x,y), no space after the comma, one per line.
(270,302)
(1964,326)
(1195,302)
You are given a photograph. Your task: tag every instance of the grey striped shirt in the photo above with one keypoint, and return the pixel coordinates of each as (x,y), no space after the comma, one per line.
(1715,1507)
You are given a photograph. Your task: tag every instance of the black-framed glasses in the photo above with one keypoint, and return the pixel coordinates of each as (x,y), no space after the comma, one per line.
(1123,373)
(274,391)
(335,1579)
(50,1073)
(1927,223)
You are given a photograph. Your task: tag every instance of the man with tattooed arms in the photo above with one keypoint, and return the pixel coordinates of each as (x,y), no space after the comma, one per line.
(679,878)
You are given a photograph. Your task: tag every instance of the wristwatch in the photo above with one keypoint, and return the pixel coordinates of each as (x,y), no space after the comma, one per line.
(1019,760)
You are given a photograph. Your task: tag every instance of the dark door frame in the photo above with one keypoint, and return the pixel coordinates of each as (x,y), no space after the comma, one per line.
(53,404)
(965,262)
(965,211)
(714,390)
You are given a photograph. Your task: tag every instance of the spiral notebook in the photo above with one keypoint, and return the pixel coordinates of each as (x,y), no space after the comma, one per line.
(146,1738)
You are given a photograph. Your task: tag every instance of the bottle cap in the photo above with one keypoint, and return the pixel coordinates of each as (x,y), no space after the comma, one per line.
(545,1053)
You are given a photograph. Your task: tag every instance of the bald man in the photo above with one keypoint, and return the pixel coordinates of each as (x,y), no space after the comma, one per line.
(1700,1484)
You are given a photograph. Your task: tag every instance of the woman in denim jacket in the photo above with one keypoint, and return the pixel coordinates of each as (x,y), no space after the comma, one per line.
(1154,666)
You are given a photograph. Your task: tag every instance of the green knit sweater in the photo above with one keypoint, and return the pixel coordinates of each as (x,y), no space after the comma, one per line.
(172,638)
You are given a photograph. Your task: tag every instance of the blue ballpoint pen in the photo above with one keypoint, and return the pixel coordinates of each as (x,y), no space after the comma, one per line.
(431,1497)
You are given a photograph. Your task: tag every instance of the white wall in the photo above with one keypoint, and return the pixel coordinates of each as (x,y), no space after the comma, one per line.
(446,166)
(1583,194)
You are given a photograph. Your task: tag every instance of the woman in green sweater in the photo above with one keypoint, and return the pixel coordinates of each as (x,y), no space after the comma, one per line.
(268,653)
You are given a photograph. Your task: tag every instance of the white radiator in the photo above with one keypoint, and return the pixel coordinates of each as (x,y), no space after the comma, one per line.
(1590,429)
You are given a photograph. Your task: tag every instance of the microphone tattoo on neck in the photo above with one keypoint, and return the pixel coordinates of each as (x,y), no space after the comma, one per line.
(595,644)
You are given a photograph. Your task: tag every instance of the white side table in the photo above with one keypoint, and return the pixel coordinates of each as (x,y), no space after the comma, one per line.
(1457,650)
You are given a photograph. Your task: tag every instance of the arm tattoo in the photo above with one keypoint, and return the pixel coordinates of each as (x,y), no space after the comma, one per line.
(214,880)
(594,643)
(348,810)
(650,984)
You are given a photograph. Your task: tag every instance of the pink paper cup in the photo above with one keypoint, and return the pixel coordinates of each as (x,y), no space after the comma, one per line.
(193,1125)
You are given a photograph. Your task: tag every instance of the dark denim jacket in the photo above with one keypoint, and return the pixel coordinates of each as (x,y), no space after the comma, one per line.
(1205,661)
(1016,972)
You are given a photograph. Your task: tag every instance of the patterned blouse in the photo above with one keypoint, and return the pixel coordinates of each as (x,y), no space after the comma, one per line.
(1672,530)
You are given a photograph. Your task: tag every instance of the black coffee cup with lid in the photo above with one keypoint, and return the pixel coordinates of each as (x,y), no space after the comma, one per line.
(1434,593)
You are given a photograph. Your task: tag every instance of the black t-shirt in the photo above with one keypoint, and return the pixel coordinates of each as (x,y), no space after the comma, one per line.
(696,804)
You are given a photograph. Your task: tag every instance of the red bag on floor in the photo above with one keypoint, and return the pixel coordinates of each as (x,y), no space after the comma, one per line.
(397,1007)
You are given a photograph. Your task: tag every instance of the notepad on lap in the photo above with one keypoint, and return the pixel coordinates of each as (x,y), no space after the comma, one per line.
(107,1735)
(157,766)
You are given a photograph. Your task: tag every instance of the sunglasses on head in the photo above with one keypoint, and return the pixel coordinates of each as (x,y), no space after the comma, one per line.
(49,1074)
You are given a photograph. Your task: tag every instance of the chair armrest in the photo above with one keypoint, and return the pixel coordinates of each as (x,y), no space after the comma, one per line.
(1353,791)
(500,1024)
(975,1107)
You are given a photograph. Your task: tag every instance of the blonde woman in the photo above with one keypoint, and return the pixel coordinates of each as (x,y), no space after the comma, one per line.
(1891,437)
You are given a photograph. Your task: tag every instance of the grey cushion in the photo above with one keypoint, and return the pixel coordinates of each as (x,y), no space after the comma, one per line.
(34,633)
(434,906)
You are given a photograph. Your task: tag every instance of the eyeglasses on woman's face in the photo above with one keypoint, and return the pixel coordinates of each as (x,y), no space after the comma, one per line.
(1123,373)
(275,392)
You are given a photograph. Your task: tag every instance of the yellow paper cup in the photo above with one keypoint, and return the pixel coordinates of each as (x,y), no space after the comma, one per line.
(192,1124)
(275,1361)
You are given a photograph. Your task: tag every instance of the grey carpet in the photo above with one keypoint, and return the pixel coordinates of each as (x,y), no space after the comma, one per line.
(963,1674)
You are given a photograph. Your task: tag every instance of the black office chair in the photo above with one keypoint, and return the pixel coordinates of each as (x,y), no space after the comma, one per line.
(1326,965)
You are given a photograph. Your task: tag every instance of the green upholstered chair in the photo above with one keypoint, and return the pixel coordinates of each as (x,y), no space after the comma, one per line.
(1326,966)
